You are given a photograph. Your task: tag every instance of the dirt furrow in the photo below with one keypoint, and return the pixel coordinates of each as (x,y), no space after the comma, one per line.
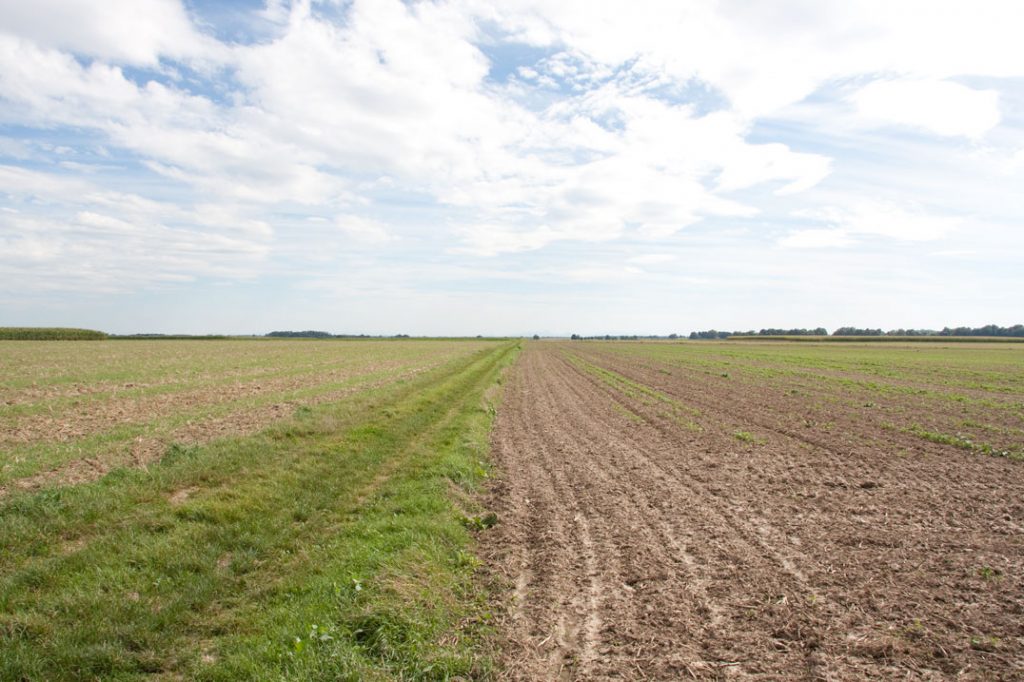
(593,491)
(739,555)
(899,541)
(638,548)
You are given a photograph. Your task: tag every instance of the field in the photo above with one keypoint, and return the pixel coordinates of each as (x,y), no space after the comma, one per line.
(476,509)
(73,411)
(796,511)
(242,509)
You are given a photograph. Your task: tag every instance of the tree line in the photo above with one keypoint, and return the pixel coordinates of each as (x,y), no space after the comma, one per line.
(313,334)
(618,337)
(49,334)
(713,334)
(993,330)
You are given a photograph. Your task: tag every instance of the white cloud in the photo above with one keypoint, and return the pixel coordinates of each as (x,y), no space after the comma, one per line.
(953,253)
(766,56)
(603,274)
(652,258)
(941,107)
(363,229)
(1017,160)
(863,219)
(906,223)
(125,31)
(816,239)
(98,240)
(400,91)
(490,240)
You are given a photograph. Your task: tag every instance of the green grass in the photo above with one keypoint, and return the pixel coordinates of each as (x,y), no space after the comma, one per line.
(331,546)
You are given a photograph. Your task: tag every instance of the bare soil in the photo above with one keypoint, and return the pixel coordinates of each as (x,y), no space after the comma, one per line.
(641,541)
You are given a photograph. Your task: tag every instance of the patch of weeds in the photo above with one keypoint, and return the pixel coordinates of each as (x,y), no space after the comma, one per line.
(355,586)
(465,559)
(315,637)
(480,522)
(942,438)
(747,437)
(989,573)
(916,630)
(986,643)
(963,442)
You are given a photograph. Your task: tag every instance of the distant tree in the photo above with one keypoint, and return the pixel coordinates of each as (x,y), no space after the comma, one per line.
(308,334)
(1016,330)
(710,334)
(575,337)
(819,331)
(536,337)
(855,331)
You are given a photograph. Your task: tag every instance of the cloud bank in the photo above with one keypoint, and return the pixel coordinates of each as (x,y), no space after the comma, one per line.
(153,144)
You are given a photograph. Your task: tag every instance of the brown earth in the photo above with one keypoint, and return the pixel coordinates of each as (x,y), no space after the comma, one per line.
(642,538)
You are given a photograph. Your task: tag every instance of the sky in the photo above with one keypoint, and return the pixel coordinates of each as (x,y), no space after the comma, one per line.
(464,167)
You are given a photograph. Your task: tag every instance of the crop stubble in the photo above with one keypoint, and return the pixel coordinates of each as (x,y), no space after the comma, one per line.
(642,538)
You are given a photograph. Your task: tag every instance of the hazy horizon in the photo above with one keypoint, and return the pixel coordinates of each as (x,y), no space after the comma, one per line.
(508,169)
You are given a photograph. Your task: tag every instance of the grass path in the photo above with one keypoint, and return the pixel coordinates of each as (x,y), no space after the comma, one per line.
(332,546)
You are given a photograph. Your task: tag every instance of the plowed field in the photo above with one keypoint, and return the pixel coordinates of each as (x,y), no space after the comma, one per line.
(731,510)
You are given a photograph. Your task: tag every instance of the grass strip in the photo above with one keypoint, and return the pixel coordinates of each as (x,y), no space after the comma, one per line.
(331,547)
